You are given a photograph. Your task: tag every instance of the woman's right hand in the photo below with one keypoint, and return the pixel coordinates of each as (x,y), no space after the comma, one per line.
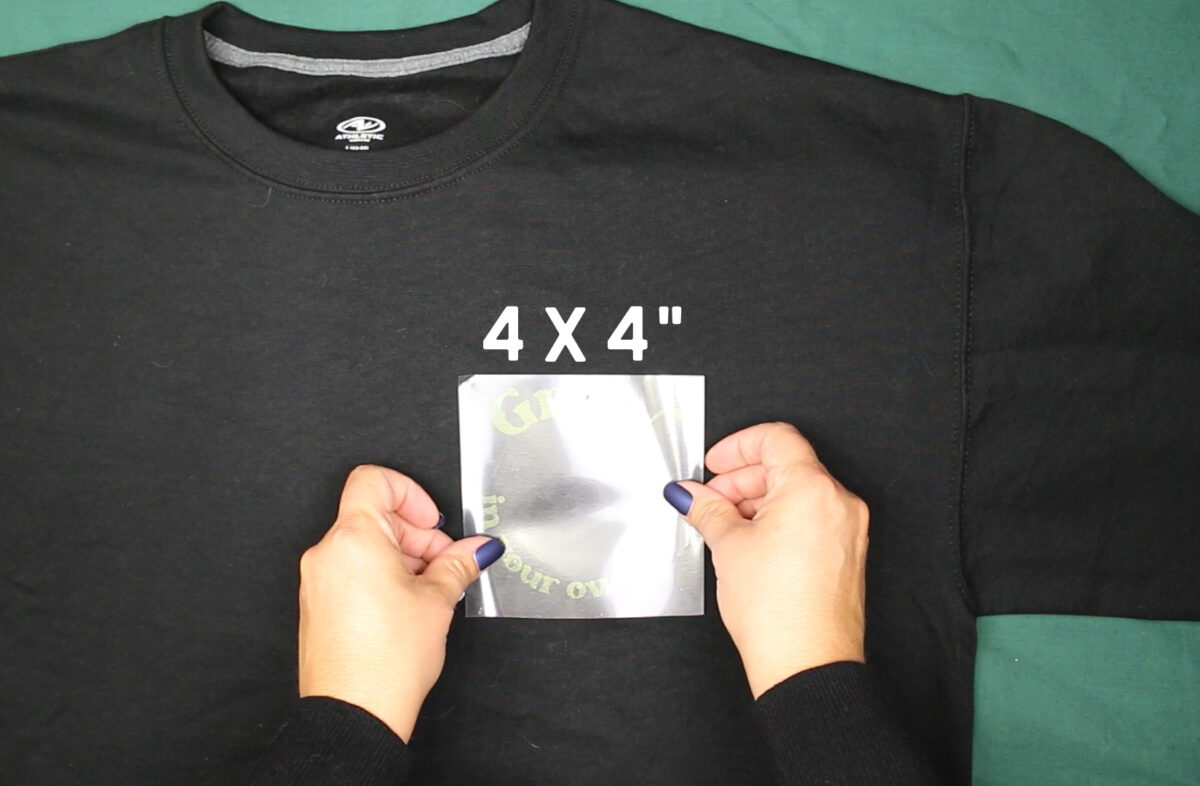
(789,547)
(377,595)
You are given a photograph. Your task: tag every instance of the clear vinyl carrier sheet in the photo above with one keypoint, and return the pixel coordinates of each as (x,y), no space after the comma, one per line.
(568,470)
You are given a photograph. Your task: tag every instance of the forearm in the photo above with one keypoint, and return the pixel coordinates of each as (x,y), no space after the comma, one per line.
(832,725)
(326,741)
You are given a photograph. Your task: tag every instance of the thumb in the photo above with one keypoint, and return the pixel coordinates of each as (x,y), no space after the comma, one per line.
(705,509)
(460,563)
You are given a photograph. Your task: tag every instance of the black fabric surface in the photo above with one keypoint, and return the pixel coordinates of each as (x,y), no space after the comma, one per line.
(826,725)
(206,324)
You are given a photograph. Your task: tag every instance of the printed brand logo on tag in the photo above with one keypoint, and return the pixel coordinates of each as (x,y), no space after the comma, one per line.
(359,132)
(361,125)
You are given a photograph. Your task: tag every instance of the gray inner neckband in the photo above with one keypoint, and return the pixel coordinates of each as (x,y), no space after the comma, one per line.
(224,52)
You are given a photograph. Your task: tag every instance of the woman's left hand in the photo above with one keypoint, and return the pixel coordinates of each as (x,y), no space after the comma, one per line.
(377,594)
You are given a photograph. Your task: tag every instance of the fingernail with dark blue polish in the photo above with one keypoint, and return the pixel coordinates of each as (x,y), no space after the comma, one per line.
(679,497)
(441,522)
(488,553)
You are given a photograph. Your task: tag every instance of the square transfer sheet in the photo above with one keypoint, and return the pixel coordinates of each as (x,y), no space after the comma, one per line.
(568,470)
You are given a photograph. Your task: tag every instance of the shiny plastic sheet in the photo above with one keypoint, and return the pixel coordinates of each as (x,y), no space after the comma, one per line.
(568,470)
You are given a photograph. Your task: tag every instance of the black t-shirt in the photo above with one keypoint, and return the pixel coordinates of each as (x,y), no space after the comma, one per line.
(829,725)
(237,260)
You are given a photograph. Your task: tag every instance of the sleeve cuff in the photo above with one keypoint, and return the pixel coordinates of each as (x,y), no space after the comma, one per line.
(327,741)
(831,725)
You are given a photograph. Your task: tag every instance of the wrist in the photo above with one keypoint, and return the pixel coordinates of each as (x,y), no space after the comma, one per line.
(400,719)
(396,708)
(764,672)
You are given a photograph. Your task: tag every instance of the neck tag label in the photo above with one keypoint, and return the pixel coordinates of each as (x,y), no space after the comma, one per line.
(357,133)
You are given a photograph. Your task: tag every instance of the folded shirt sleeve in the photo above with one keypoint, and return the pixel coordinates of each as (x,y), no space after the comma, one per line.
(833,725)
(327,741)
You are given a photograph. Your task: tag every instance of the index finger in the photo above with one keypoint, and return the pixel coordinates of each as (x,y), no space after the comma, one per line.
(421,543)
(769,444)
(381,491)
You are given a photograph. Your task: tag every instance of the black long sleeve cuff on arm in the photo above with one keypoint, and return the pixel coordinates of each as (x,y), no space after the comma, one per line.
(326,741)
(832,725)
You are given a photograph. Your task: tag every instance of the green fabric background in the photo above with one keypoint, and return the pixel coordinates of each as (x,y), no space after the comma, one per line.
(1059,699)
(1095,700)
(1126,73)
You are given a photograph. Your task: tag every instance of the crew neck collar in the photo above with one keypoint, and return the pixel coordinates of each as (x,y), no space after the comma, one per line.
(539,70)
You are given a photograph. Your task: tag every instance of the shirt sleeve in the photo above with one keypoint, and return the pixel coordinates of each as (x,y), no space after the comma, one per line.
(833,725)
(1082,377)
(327,741)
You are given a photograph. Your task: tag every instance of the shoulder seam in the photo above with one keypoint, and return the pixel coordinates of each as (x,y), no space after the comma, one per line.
(966,283)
